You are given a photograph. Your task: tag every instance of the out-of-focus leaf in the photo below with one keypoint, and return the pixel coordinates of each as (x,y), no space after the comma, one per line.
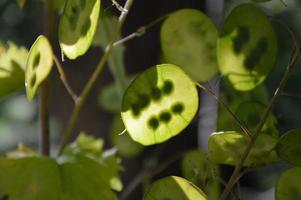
(250,114)
(188,39)
(288,186)
(12,64)
(175,188)
(125,145)
(35,178)
(289,147)
(21,152)
(110,98)
(234,99)
(21,3)
(85,179)
(77,26)
(162,100)
(39,65)
(89,147)
(197,168)
(228,148)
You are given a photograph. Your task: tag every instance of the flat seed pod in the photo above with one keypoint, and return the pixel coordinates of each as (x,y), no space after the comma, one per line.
(197,168)
(228,148)
(250,114)
(159,104)
(247,47)
(175,188)
(188,39)
(288,186)
(288,147)
(77,26)
(39,64)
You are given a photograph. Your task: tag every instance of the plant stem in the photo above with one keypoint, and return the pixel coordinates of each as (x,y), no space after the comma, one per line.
(241,125)
(44,90)
(140,31)
(44,119)
(236,174)
(64,79)
(82,98)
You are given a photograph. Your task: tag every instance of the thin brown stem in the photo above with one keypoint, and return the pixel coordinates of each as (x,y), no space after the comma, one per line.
(64,79)
(44,119)
(236,174)
(82,98)
(289,94)
(239,122)
(140,31)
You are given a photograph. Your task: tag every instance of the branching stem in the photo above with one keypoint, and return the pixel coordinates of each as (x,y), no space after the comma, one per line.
(236,173)
(239,122)
(82,98)
(64,79)
(140,31)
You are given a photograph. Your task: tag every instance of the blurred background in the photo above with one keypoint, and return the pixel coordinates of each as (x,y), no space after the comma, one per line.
(22,24)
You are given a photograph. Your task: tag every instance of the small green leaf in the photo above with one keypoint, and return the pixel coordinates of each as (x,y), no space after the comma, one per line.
(88,147)
(110,98)
(175,188)
(125,145)
(35,178)
(228,148)
(250,114)
(77,26)
(288,147)
(12,64)
(246,51)
(197,168)
(188,39)
(233,100)
(288,185)
(159,104)
(39,65)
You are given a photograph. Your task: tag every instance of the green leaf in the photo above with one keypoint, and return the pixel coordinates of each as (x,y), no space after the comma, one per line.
(233,100)
(12,65)
(159,104)
(39,65)
(86,144)
(288,185)
(197,168)
(188,39)
(85,179)
(110,97)
(250,114)
(228,148)
(77,26)
(125,145)
(175,188)
(88,147)
(288,147)
(246,51)
(35,178)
